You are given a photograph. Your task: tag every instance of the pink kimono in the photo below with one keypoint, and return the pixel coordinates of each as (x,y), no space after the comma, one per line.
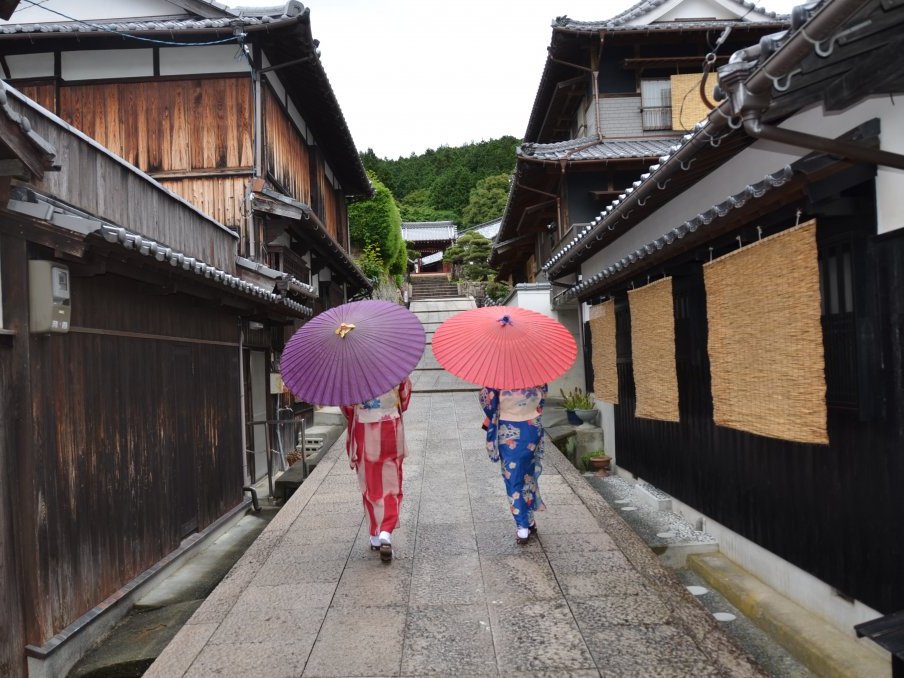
(376,449)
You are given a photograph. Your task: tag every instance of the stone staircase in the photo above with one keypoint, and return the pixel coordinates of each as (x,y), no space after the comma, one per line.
(432,286)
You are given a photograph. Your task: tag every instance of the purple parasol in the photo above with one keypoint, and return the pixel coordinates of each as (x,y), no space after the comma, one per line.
(352,353)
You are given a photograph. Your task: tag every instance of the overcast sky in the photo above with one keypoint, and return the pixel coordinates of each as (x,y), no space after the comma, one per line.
(417,74)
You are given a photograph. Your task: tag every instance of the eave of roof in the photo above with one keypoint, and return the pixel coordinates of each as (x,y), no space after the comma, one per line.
(591,152)
(593,149)
(150,248)
(33,150)
(294,209)
(637,11)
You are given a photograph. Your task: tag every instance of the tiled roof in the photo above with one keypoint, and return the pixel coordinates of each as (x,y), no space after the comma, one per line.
(622,21)
(488,229)
(591,148)
(236,17)
(426,231)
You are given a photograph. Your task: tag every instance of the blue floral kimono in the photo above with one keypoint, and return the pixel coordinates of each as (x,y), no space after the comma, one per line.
(515,440)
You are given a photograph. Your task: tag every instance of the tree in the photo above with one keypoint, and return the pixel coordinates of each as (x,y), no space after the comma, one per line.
(416,206)
(376,222)
(450,190)
(487,200)
(469,255)
(371,263)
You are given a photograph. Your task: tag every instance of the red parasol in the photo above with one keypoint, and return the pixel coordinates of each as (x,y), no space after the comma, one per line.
(353,352)
(504,347)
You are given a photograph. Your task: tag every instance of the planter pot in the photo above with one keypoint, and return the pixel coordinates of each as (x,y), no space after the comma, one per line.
(599,463)
(573,418)
(586,416)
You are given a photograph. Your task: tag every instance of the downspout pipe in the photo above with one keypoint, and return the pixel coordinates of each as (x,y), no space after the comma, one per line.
(750,98)
(842,149)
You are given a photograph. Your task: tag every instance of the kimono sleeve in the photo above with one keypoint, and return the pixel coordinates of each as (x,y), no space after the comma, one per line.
(489,401)
(404,394)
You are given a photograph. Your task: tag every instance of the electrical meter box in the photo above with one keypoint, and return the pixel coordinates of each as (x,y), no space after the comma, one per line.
(48,295)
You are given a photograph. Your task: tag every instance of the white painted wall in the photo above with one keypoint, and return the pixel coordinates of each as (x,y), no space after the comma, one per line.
(30,65)
(208,59)
(537,299)
(92,10)
(698,9)
(98,64)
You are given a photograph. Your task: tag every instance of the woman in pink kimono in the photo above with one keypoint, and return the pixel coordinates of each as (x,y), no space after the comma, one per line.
(376,449)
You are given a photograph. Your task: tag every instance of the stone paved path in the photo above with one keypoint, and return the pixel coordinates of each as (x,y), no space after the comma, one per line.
(461,598)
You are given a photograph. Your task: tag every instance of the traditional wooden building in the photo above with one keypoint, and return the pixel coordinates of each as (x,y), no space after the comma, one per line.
(232,110)
(430,238)
(744,301)
(173,204)
(614,96)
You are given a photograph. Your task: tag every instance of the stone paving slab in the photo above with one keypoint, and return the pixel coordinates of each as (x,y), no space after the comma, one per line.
(587,598)
(454,304)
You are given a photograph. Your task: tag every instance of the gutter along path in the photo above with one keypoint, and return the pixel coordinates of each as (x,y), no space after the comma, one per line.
(587,598)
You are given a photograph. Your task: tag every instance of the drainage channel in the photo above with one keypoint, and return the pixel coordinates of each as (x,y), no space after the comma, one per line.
(133,644)
(647,511)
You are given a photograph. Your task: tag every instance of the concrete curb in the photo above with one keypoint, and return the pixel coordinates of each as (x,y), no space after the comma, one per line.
(819,646)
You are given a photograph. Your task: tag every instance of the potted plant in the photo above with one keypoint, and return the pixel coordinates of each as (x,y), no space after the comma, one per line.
(578,406)
(598,461)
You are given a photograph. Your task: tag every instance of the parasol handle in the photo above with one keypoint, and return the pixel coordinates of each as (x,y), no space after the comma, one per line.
(344,329)
(505,320)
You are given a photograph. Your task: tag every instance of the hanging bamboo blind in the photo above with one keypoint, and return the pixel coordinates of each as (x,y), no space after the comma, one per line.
(653,351)
(765,338)
(602,330)
(687,107)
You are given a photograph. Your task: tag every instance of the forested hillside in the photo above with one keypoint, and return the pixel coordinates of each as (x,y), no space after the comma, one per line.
(442,184)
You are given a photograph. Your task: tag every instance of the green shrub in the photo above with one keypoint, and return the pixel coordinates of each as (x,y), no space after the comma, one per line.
(577,399)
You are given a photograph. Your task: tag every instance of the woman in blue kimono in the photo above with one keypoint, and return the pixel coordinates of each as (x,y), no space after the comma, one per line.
(515,440)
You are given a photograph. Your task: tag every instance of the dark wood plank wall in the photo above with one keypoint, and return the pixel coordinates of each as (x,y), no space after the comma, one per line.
(43,93)
(169,125)
(223,198)
(15,499)
(136,440)
(194,136)
(288,161)
(330,216)
(833,511)
(285,150)
(105,187)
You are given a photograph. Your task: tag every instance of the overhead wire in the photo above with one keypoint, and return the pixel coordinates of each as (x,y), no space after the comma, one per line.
(107,29)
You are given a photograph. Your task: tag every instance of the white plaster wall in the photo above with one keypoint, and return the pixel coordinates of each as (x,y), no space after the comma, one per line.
(30,65)
(98,64)
(299,121)
(889,181)
(765,157)
(698,9)
(209,59)
(92,9)
(277,85)
(538,300)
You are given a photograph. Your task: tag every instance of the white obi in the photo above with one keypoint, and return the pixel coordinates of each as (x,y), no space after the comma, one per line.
(381,408)
(520,405)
